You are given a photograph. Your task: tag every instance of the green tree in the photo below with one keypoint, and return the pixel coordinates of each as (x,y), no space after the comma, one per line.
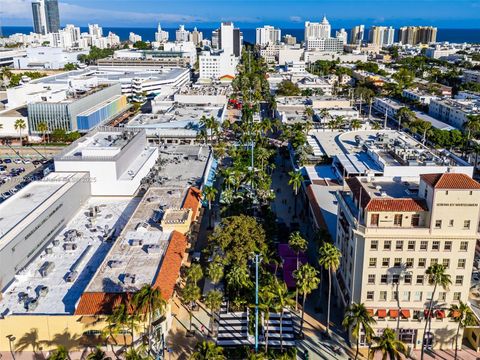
(150,303)
(283,300)
(298,244)
(306,281)
(329,259)
(194,273)
(70,67)
(295,181)
(464,316)
(355,124)
(266,305)
(388,346)
(60,353)
(420,126)
(20,126)
(238,278)
(98,354)
(141,45)
(356,319)
(215,271)
(436,276)
(404,114)
(190,295)
(213,301)
(287,88)
(238,237)
(207,350)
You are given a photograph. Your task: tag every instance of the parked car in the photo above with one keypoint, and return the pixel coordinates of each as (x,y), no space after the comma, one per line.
(26,161)
(17,161)
(7,161)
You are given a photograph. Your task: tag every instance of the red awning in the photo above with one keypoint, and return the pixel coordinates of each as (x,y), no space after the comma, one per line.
(370,312)
(394,314)
(382,313)
(405,314)
(425,313)
(440,314)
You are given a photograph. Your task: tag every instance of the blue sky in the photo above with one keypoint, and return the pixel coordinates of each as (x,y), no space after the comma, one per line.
(250,13)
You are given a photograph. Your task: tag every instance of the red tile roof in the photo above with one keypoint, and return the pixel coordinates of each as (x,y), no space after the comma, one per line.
(400,205)
(450,181)
(97,303)
(170,268)
(384,204)
(193,201)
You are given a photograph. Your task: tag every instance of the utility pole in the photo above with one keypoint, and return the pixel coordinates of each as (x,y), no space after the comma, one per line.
(386,118)
(257,261)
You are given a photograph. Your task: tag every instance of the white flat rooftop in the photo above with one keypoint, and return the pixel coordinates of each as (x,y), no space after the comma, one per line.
(91,249)
(24,202)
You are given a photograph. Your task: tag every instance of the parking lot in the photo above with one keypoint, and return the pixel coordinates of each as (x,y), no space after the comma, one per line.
(16,173)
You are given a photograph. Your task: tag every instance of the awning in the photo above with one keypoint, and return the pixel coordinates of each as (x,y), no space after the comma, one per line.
(394,314)
(440,314)
(425,313)
(405,314)
(370,312)
(382,313)
(455,314)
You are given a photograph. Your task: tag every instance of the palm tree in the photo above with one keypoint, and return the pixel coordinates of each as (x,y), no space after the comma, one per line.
(355,124)
(207,350)
(213,301)
(298,244)
(388,346)
(267,301)
(357,318)
(296,180)
(309,113)
(472,125)
(98,354)
(209,193)
(306,281)
(20,126)
(117,322)
(149,302)
(215,271)
(283,299)
(61,353)
(238,278)
(404,114)
(464,316)
(329,259)
(43,128)
(436,275)
(190,294)
(194,273)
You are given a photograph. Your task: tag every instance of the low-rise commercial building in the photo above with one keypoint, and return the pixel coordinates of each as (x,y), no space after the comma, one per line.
(47,58)
(454,111)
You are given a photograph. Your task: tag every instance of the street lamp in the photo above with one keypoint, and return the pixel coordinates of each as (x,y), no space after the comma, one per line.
(11,339)
(257,259)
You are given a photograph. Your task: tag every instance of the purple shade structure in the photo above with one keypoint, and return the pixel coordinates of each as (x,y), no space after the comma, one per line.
(289,261)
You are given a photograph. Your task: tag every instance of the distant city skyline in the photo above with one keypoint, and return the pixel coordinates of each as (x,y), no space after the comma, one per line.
(282,13)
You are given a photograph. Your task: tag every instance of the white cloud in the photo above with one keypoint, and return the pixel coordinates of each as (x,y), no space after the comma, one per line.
(295,19)
(16,9)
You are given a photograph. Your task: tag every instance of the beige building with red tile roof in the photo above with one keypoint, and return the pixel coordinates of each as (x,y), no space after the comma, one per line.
(389,231)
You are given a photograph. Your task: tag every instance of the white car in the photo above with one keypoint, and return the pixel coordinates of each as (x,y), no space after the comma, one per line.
(17,161)
(26,161)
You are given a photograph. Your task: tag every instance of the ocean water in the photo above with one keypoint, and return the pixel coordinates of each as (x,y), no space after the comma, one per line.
(451,35)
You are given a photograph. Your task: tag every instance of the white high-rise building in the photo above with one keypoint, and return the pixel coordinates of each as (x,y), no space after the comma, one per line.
(357,34)
(69,36)
(39,17)
(389,37)
(95,31)
(217,65)
(133,38)
(161,36)
(317,31)
(343,35)
(230,39)
(268,35)
(381,35)
(181,34)
(196,37)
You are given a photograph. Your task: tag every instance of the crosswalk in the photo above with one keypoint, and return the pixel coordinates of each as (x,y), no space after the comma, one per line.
(233,329)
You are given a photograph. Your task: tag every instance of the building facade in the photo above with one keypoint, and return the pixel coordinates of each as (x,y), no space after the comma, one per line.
(267,35)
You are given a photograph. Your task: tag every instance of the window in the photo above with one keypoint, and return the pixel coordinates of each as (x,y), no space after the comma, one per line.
(406,296)
(371,279)
(420,279)
(374,219)
(447,246)
(433,262)
(399,245)
(374,245)
(397,220)
(466,224)
(384,279)
(411,245)
(372,262)
(407,279)
(415,219)
(456,296)
(442,296)
(461,263)
(450,223)
(463,245)
(395,278)
(438,224)
(386,262)
(394,296)
(417,296)
(459,280)
(370,295)
(422,262)
(409,263)
(423,245)
(429,295)
(387,245)
(397,262)
(436,245)
(446,263)
(383,296)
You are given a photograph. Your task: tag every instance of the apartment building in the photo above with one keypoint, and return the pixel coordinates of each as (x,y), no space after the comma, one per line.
(454,111)
(390,231)
(471,76)
(414,35)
